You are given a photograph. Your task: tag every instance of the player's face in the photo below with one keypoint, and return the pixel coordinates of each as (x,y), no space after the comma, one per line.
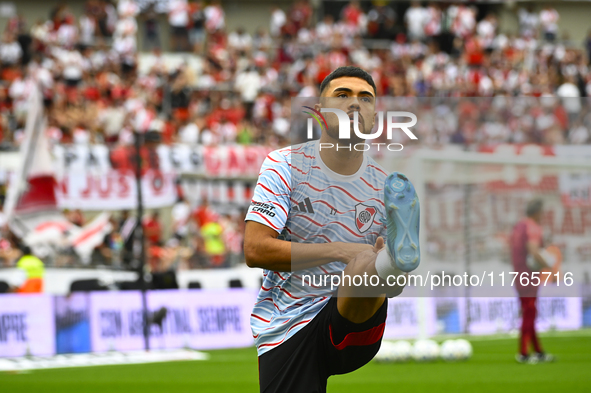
(350,95)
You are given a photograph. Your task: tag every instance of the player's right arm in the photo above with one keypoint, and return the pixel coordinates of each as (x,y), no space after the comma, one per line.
(266,219)
(262,249)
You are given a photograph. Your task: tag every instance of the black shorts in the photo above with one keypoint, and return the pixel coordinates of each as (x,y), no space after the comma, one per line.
(328,345)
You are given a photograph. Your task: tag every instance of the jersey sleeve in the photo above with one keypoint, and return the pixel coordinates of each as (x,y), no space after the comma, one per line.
(271,200)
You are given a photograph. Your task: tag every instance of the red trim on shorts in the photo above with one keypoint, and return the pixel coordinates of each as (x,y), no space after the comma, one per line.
(366,337)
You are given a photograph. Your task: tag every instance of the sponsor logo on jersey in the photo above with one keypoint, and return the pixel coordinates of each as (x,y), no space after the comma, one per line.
(263,208)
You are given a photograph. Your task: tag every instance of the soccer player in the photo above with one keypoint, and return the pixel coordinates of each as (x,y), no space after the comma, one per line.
(526,241)
(320,212)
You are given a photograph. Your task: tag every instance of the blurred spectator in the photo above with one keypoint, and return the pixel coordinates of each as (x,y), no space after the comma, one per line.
(569,92)
(549,21)
(75,217)
(215,248)
(203,214)
(278,20)
(188,133)
(197,31)
(151,29)
(178,18)
(233,239)
(353,16)
(88,27)
(528,22)
(240,40)
(248,84)
(10,50)
(153,228)
(181,215)
(380,21)
(215,18)
(32,270)
(415,19)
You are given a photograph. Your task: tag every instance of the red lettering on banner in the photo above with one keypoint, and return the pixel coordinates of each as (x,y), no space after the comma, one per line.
(62,185)
(86,192)
(251,161)
(212,161)
(123,185)
(233,164)
(568,223)
(104,192)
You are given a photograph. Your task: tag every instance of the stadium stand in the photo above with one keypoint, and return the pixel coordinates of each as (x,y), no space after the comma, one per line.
(104,76)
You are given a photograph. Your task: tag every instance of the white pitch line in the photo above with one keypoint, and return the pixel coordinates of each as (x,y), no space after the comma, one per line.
(98,359)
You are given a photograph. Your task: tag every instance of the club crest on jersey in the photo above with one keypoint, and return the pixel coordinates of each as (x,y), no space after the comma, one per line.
(364,216)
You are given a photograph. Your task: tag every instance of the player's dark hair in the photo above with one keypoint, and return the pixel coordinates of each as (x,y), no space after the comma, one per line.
(534,207)
(348,71)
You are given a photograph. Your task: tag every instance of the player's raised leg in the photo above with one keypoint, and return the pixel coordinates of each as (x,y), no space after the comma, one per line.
(401,254)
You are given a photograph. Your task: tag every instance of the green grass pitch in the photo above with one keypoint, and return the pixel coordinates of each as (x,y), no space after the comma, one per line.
(491,369)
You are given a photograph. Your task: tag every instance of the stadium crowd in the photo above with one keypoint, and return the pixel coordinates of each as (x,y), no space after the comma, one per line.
(240,93)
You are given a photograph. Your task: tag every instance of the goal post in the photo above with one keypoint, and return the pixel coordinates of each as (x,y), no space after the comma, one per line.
(470,202)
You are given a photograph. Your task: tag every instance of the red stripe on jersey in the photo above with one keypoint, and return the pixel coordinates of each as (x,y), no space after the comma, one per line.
(366,337)
(267,189)
(327,239)
(305,173)
(283,290)
(333,222)
(274,160)
(268,299)
(329,205)
(369,185)
(269,222)
(288,330)
(296,235)
(278,174)
(279,162)
(304,154)
(373,166)
(337,187)
(342,189)
(257,317)
(289,294)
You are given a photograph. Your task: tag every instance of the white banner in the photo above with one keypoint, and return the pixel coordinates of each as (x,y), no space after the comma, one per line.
(115,190)
(27,325)
(575,187)
(233,161)
(501,315)
(195,319)
(404,316)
